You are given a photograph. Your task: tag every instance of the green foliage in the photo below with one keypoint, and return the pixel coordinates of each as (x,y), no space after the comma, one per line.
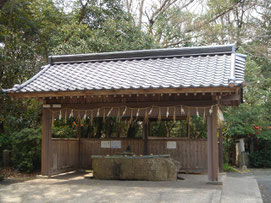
(261,157)
(198,127)
(5,143)
(229,168)
(242,121)
(26,149)
(102,26)
(63,132)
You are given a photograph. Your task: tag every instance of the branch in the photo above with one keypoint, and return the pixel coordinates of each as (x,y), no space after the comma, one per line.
(205,23)
(217,16)
(2,3)
(81,17)
(140,13)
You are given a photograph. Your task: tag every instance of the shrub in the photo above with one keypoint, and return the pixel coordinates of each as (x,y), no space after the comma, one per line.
(26,149)
(5,143)
(261,158)
(63,132)
(228,168)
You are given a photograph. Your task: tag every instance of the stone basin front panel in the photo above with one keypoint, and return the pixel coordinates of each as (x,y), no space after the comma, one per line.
(134,168)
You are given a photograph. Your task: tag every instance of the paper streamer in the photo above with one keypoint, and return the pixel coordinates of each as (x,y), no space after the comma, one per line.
(109,112)
(60,115)
(123,113)
(71,114)
(85,115)
(150,111)
(182,110)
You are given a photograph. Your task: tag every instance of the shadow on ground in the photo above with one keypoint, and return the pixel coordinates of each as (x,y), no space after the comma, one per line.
(74,187)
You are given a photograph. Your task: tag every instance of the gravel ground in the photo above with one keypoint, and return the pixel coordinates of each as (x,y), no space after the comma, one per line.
(76,188)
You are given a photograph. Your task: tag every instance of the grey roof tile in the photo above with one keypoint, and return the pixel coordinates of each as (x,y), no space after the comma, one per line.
(165,68)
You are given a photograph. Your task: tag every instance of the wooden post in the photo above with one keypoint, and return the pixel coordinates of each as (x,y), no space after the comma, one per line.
(46,150)
(212,146)
(78,129)
(79,136)
(146,133)
(221,169)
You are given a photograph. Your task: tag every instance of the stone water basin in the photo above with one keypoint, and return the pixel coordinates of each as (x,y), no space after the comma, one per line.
(125,167)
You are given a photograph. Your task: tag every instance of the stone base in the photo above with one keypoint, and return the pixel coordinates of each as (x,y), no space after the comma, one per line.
(215,182)
(134,168)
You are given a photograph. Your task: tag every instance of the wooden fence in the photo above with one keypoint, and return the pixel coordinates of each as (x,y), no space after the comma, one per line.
(65,154)
(74,153)
(192,154)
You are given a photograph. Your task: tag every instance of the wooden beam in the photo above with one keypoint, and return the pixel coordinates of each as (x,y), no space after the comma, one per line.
(139,104)
(212,146)
(125,92)
(46,147)
(235,97)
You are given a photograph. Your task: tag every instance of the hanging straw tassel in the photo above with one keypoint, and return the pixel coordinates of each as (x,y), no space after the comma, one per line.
(188,115)
(104,116)
(98,112)
(131,118)
(91,118)
(174,114)
(159,116)
(203,116)
(118,115)
(60,115)
(167,112)
(66,116)
(146,120)
(197,111)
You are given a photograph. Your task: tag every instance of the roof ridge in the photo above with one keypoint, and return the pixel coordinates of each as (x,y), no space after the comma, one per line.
(143,54)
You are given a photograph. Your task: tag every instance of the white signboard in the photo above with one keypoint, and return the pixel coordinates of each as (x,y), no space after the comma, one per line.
(105,144)
(116,144)
(171,145)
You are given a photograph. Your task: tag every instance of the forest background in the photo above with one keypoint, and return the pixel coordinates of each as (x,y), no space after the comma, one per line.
(32,30)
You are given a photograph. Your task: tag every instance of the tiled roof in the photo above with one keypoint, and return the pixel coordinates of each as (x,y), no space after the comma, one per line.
(213,66)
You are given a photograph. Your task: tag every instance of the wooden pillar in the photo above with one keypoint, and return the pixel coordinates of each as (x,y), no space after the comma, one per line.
(212,146)
(79,136)
(146,133)
(78,133)
(46,147)
(221,169)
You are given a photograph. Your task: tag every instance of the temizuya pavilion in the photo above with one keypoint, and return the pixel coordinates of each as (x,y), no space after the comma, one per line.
(159,83)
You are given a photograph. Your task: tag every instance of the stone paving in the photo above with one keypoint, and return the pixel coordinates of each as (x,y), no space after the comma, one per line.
(263,177)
